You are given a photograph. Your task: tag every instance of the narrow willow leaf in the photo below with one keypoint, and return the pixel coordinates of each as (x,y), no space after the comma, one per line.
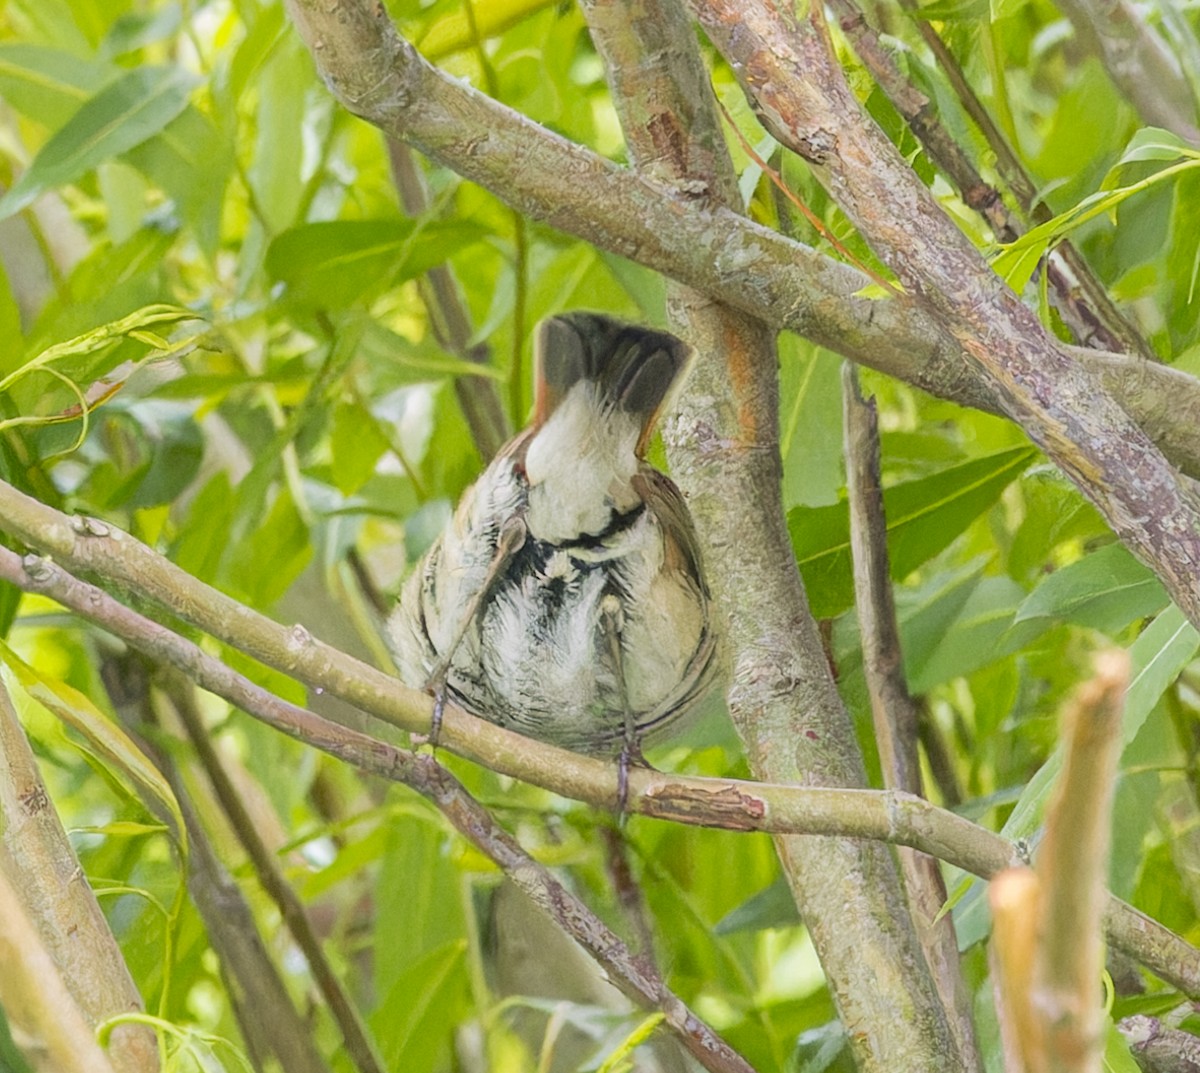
(1162,650)
(123,114)
(456,31)
(923,517)
(414,1021)
(48,84)
(622,1052)
(1106,590)
(332,264)
(109,741)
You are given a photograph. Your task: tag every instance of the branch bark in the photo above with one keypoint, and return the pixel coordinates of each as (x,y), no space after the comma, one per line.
(37,857)
(1138,62)
(893,817)
(793,80)
(1091,315)
(893,709)
(380,77)
(725,454)
(39,1007)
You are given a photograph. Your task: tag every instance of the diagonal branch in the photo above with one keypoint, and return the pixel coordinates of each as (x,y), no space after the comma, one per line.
(893,817)
(1139,63)
(790,74)
(725,453)
(1079,297)
(379,76)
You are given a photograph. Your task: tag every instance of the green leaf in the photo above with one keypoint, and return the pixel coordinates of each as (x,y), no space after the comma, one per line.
(113,746)
(356,445)
(1154,143)
(810,433)
(418,891)
(130,110)
(48,85)
(191,159)
(621,1055)
(923,517)
(1117,1057)
(336,263)
(771,907)
(10,316)
(395,360)
(415,1021)
(455,32)
(1162,650)
(965,626)
(1107,590)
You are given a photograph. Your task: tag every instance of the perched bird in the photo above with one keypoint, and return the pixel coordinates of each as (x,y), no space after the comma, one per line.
(565,598)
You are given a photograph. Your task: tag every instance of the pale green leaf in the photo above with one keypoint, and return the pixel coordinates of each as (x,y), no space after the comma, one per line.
(109,741)
(1106,590)
(923,517)
(128,111)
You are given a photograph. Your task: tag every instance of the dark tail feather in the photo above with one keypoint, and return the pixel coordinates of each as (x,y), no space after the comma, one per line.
(634,366)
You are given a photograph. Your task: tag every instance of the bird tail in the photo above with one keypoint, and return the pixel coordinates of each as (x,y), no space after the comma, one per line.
(633,367)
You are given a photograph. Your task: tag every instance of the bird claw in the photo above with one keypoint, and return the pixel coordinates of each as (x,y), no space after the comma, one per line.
(630,755)
(435,685)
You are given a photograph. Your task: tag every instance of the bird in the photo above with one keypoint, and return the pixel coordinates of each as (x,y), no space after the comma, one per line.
(566,597)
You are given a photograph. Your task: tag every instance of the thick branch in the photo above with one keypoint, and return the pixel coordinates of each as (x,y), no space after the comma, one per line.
(725,453)
(729,804)
(1091,315)
(1157,1048)
(37,856)
(380,77)
(37,1004)
(800,92)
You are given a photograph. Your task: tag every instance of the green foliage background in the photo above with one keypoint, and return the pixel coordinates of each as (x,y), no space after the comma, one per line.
(204,254)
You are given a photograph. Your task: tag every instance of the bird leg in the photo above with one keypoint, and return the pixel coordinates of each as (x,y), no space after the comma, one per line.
(508,542)
(612,623)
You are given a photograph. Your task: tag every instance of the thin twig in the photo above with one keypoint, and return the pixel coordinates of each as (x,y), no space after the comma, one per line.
(449,318)
(1158,1048)
(730,804)
(360,1047)
(894,711)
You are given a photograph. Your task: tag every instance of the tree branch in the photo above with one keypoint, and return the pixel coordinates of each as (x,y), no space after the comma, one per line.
(893,817)
(1138,62)
(1073,867)
(360,1046)
(1159,1049)
(1092,316)
(379,76)
(725,454)
(36,854)
(893,709)
(791,76)
(36,1000)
